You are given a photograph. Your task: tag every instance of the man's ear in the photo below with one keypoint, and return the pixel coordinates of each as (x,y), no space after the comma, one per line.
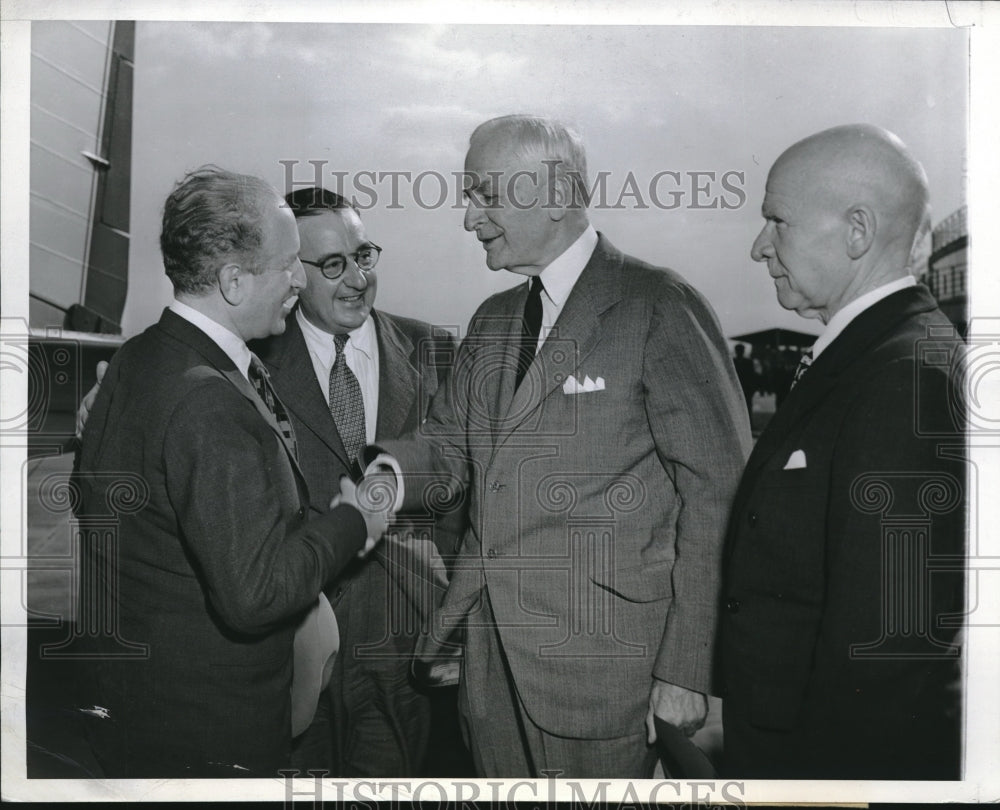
(232,283)
(861,227)
(560,197)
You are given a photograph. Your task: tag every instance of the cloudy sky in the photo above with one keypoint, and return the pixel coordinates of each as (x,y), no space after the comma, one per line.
(372,102)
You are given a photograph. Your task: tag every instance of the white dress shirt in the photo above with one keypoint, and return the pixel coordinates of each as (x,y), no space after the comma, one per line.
(844,316)
(231,343)
(560,276)
(361,353)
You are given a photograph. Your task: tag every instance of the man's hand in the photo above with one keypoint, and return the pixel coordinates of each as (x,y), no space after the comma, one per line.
(88,400)
(374,503)
(377,490)
(680,707)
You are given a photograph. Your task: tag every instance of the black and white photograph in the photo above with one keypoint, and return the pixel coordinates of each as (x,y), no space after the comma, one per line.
(499,402)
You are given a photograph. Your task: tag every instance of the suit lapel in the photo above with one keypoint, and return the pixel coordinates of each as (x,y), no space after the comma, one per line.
(857,340)
(492,345)
(237,379)
(188,333)
(574,335)
(397,378)
(295,380)
(508,351)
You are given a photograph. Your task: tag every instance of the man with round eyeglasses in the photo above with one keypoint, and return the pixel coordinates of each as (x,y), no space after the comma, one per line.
(333,267)
(352,375)
(353,272)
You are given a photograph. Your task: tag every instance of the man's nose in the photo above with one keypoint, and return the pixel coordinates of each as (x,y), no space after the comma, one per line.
(761,245)
(354,277)
(473,214)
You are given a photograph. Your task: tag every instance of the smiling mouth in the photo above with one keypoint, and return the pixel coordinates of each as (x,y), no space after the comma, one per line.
(352,299)
(290,303)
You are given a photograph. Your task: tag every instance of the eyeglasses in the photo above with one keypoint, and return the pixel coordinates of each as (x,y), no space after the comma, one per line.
(333,267)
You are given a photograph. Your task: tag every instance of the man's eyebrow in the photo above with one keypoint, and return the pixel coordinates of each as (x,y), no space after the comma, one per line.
(767,209)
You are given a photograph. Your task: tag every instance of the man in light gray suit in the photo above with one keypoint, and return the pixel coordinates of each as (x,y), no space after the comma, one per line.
(598,425)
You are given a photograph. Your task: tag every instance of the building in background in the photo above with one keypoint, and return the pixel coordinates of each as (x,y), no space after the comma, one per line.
(81,165)
(948,268)
(80,176)
(79,184)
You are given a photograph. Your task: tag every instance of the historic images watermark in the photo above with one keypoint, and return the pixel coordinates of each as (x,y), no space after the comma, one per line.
(575,793)
(666,189)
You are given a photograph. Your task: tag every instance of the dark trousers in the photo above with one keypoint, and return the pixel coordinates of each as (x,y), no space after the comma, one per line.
(367,724)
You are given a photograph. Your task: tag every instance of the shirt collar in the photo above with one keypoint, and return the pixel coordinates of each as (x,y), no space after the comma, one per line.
(848,313)
(321,341)
(231,343)
(363,338)
(563,272)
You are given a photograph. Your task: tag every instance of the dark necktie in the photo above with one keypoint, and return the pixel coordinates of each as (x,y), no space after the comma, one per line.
(804,362)
(530,328)
(261,382)
(346,404)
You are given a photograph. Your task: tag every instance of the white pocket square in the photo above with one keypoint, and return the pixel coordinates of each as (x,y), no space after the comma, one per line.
(574,386)
(796,461)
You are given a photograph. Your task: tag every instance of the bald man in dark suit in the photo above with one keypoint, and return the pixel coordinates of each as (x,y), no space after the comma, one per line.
(845,555)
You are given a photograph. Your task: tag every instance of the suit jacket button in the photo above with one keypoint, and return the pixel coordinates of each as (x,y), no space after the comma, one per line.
(492,554)
(302,512)
(752,519)
(338,593)
(495,486)
(733,605)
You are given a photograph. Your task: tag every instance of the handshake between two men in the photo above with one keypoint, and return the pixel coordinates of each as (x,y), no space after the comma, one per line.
(270,462)
(375,496)
(217,570)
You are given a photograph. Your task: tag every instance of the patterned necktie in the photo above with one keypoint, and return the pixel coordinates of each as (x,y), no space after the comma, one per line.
(804,362)
(531,326)
(346,404)
(261,382)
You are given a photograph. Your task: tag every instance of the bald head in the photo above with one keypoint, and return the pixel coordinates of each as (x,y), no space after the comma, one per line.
(864,164)
(844,208)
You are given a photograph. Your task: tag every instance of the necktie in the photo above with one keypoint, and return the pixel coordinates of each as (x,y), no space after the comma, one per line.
(261,382)
(346,405)
(804,362)
(530,328)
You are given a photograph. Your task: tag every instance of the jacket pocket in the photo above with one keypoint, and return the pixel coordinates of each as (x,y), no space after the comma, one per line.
(788,479)
(638,583)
